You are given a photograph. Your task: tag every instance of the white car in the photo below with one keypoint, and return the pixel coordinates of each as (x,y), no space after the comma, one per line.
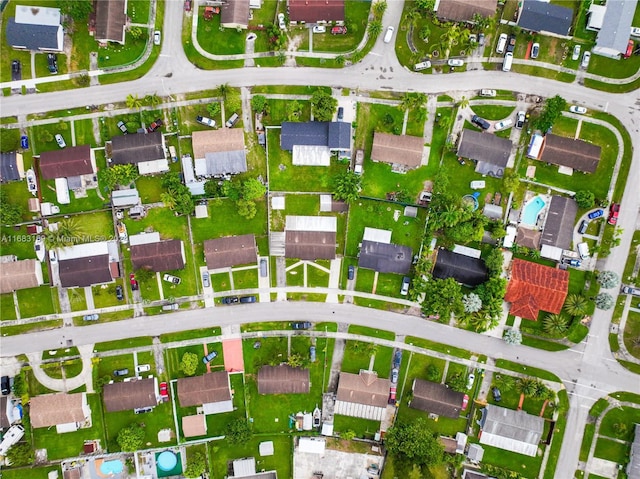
(635,31)
(389,34)
(503,125)
(281,23)
(156,37)
(60,141)
(319,29)
(576,52)
(577,109)
(143,368)
(455,62)
(470,380)
(487,92)
(169,278)
(520,118)
(585,59)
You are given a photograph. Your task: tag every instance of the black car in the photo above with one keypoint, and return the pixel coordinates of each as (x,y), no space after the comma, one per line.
(119,293)
(511,43)
(351,272)
(230,300)
(5,385)
(497,397)
(481,122)
(248,299)
(121,372)
(340,113)
(301,325)
(16,70)
(52,61)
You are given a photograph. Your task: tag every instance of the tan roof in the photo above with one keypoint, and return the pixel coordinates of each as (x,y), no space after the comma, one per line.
(283,379)
(54,409)
(230,251)
(124,396)
(310,245)
(363,388)
(577,154)
(399,149)
(214,141)
(194,425)
(205,389)
(19,275)
(111,19)
(464,10)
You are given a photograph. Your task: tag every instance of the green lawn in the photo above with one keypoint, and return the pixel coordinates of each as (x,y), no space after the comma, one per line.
(7,306)
(123,343)
(364,428)
(526,466)
(622,415)
(160,418)
(211,227)
(174,356)
(376,333)
(222,452)
(357,356)
(612,450)
(29,472)
(116,54)
(245,279)
(443,425)
(493,112)
(150,188)
(277,111)
(38,301)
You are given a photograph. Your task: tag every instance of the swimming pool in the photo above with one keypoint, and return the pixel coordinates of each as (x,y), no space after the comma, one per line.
(531,211)
(166,461)
(111,467)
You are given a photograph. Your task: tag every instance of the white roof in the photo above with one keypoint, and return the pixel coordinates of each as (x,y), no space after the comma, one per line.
(312,223)
(306,155)
(83,250)
(510,237)
(551,252)
(187,169)
(196,188)
(62,191)
(515,431)
(144,238)
(492,211)
(327,429)
(277,202)
(152,167)
(307,422)
(325,203)
(37,15)
(202,211)
(312,445)
(266,448)
(410,211)
(218,407)
(534,146)
(377,235)
(596,16)
(244,467)
(466,251)
(125,197)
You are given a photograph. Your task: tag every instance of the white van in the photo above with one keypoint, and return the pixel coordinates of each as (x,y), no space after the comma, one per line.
(503,125)
(502,42)
(422,66)
(508,60)
(583,250)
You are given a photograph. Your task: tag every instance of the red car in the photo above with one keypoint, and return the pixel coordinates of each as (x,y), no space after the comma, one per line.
(613,213)
(164,392)
(338,30)
(187,5)
(392,395)
(133,281)
(629,51)
(465,402)
(155,125)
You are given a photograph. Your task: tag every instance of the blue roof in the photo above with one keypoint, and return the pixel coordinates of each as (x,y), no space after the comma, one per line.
(539,16)
(335,135)
(32,37)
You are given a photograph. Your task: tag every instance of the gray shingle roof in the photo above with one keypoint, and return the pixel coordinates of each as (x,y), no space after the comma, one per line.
(540,16)
(315,10)
(68,162)
(9,167)
(160,256)
(137,148)
(111,19)
(436,398)
(230,251)
(464,10)
(208,388)
(235,12)
(577,154)
(464,269)
(32,37)
(385,258)
(310,245)
(335,135)
(123,396)
(558,228)
(222,163)
(484,147)
(515,431)
(616,25)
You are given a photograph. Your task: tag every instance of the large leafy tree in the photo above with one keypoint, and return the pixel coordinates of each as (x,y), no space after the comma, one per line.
(585,198)
(347,186)
(77,9)
(258,103)
(323,105)
(552,110)
(414,443)
(189,363)
(131,438)
(442,297)
(238,431)
(10,213)
(252,189)
(21,454)
(196,465)
(122,175)
(177,197)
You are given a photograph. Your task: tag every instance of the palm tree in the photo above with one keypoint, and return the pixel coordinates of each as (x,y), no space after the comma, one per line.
(67,233)
(464,102)
(503,382)
(548,395)
(152,99)
(424,33)
(576,305)
(375,28)
(340,59)
(555,324)
(379,8)
(133,101)
(168,199)
(526,387)
(450,216)
(223,90)
(412,16)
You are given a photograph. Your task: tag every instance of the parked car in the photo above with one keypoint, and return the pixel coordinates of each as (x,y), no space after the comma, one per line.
(230,300)
(16,70)
(481,122)
(535,50)
(205,280)
(90,317)
(142,410)
(572,262)
(155,125)
(24,142)
(157,37)
(339,30)
(503,125)
(301,325)
(455,62)
(629,50)
(133,282)
(465,402)
(187,5)
(635,31)
(60,141)
(481,39)
(169,278)
(520,119)
(394,376)
(121,372)
(122,127)
(470,380)
(404,290)
(497,397)
(164,391)
(232,120)
(576,52)
(351,272)
(631,290)
(577,109)
(392,395)
(4,385)
(487,92)
(263,267)
(281,22)
(582,229)
(511,44)
(119,293)
(209,357)
(422,66)
(596,214)
(613,213)
(585,59)
(319,29)
(143,368)
(397,358)
(203,120)
(502,42)
(389,34)
(248,299)
(171,307)
(340,114)
(52,63)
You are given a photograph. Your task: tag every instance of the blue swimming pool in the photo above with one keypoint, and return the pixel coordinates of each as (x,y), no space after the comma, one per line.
(166,461)
(531,211)
(111,467)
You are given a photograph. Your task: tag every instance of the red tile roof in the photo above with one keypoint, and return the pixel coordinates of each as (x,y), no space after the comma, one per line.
(534,287)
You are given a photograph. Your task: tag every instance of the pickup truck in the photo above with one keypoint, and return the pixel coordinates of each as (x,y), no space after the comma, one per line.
(203,120)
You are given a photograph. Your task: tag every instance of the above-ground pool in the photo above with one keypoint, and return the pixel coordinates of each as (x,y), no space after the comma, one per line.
(111,467)
(166,461)
(531,211)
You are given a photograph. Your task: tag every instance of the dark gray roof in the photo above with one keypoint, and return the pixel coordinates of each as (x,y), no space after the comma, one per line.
(111,19)
(385,257)
(70,161)
(436,398)
(464,269)
(123,396)
(484,147)
(577,154)
(558,229)
(9,167)
(540,16)
(633,468)
(137,148)
(225,162)
(85,271)
(32,37)
(335,135)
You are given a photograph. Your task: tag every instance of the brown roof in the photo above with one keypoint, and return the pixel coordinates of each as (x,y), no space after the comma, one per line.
(75,473)
(230,251)
(310,245)
(534,287)
(464,10)
(576,154)
(160,256)
(111,19)
(399,149)
(17,275)
(124,396)
(436,398)
(137,148)
(214,141)
(558,227)
(85,271)
(195,425)
(205,389)
(484,147)
(70,161)
(54,409)
(528,238)
(235,12)
(363,388)
(283,379)
(316,10)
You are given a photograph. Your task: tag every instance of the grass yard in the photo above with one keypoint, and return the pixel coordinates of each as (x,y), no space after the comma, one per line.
(526,466)
(245,278)
(29,472)
(160,418)
(622,415)
(612,450)
(283,110)
(364,428)
(376,333)
(443,425)
(84,133)
(123,343)
(218,40)
(174,356)
(222,452)
(115,54)
(212,227)
(357,356)
(38,301)
(191,334)
(104,295)
(632,333)
(493,112)
(7,306)
(150,188)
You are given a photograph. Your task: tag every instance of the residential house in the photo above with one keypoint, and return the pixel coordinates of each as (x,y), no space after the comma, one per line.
(72,168)
(230,251)
(545,17)
(362,395)
(151,253)
(575,154)
(11,167)
(235,14)
(22,274)
(246,468)
(87,264)
(633,467)
(110,20)
(67,412)
(211,391)
(465,10)
(35,28)
(283,379)
(128,197)
(145,150)
(436,398)
(193,426)
(615,26)
(316,11)
(10,412)
(527,237)
(385,257)
(535,287)
(465,269)
(310,237)
(515,431)
(558,227)
(489,151)
(219,153)
(130,395)
(402,152)
(313,142)
(473,474)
